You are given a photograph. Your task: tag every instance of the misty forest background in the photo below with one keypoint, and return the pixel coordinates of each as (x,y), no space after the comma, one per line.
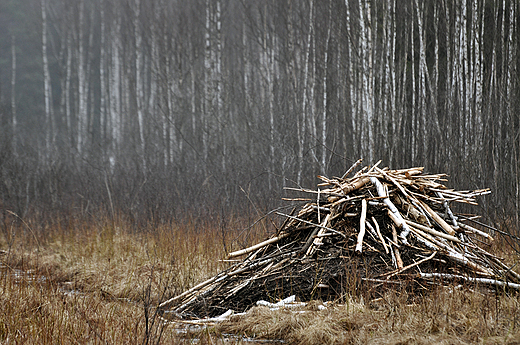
(160,109)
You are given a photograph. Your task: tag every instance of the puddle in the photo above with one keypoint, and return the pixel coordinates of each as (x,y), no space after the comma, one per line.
(20,276)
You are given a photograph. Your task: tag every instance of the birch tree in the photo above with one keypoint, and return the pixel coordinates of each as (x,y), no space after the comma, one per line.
(139,88)
(49,125)
(13,94)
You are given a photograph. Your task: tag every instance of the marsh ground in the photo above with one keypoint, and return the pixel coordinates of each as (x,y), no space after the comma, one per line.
(97,282)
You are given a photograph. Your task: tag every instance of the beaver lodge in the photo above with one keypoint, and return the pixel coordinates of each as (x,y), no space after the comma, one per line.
(378,229)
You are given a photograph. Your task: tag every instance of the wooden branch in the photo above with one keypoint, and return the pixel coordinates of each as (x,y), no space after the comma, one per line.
(380,235)
(460,257)
(350,187)
(391,274)
(471,279)
(394,181)
(448,211)
(437,218)
(433,232)
(352,168)
(476,231)
(311,223)
(186,293)
(395,215)
(359,245)
(396,250)
(257,246)
(318,239)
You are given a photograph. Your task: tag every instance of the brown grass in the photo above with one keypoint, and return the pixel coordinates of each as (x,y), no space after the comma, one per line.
(446,317)
(97,283)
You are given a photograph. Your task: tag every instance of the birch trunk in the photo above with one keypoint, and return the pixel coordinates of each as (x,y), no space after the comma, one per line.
(102,74)
(207,99)
(47,91)
(218,85)
(479,71)
(68,76)
(13,94)
(422,80)
(367,77)
(413,110)
(351,86)
(466,78)
(115,92)
(138,81)
(268,65)
(304,115)
(324,114)
(82,89)
(155,64)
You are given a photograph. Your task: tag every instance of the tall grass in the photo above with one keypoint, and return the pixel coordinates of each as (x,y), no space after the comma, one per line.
(98,282)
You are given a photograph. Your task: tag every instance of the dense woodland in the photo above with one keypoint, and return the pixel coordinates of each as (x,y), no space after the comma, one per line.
(162,108)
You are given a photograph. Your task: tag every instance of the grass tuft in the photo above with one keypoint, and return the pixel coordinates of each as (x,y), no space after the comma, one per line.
(99,282)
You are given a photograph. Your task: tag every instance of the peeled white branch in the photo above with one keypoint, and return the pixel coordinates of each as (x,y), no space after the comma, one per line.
(359,245)
(398,219)
(471,279)
(432,231)
(437,218)
(257,246)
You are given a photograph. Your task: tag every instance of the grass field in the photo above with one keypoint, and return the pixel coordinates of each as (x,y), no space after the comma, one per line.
(98,281)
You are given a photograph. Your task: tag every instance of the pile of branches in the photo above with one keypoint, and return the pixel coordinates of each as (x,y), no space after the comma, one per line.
(381,228)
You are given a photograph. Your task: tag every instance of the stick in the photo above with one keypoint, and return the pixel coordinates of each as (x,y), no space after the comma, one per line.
(311,223)
(448,211)
(352,168)
(476,231)
(380,281)
(350,187)
(437,218)
(197,287)
(471,279)
(393,211)
(394,181)
(397,254)
(380,235)
(359,245)
(391,274)
(316,238)
(454,255)
(257,246)
(432,231)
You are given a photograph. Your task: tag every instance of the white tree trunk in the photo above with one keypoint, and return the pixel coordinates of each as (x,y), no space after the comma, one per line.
(479,72)
(207,99)
(139,80)
(324,113)
(303,122)
(13,93)
(82,89)
(352,91)
(422,78)
(102,73)
(366,54)
(268,64)
(68,76)
(115,92)
(47,91)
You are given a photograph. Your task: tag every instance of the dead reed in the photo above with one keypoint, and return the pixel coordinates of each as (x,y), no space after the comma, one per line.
(99,282)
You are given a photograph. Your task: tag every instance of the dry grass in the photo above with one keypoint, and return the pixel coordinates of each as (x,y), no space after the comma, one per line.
(446,317)
(97,283)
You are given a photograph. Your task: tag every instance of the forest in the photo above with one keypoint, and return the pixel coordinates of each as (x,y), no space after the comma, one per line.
(161,109)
